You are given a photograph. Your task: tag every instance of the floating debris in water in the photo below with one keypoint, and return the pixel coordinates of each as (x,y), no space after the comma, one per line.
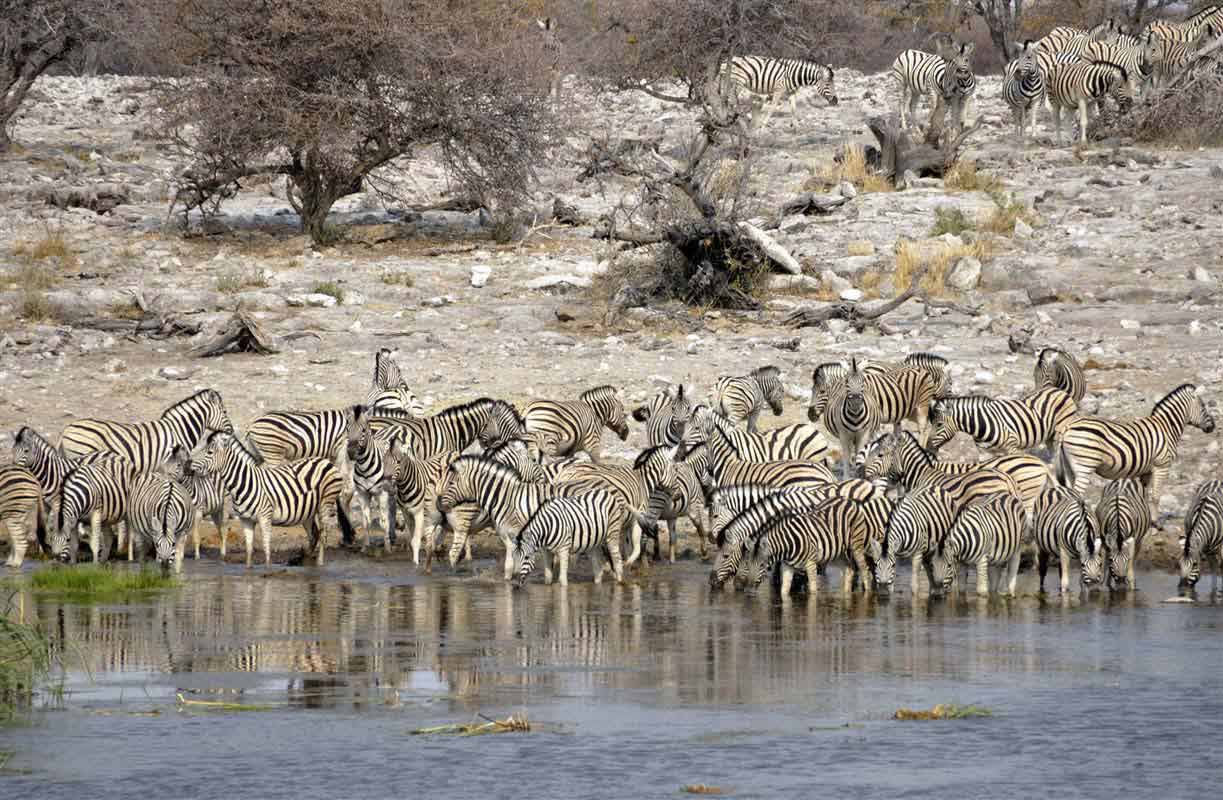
(943,711)
(511,724)
(1180,599)
(700,788)
(220,705)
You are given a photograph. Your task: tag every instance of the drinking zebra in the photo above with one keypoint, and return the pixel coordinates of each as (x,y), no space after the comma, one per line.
(1060,370)
(1002,426)
(20,504)
(293,493)
(1023,88)
(32,451)
(147,445)
(743,397)
(95,493)
(207,496)
(1203,539)
(919,521)
(834,530)
(898,458)
(1124,517)
(779,79)
(985,536)
(565,427)
(416,482)
(1065,529)
(587,523)
(1142,448)
(159,514)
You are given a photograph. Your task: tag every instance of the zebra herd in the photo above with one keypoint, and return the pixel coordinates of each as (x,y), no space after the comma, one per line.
(768,499)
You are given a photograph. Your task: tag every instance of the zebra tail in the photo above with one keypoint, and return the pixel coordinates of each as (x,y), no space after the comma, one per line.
(40,526)
(348,534)
(392,511)
(1064,467)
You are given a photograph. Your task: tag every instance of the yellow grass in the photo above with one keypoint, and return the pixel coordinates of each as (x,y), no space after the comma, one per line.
(965,177)
(861,248)
(909,263)
(852,168)
(35,307)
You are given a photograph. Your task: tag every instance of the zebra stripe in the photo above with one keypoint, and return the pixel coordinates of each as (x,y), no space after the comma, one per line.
(900,459)
(417,483)
(1207,21)
(1124,517)
(740,533)
(587,523)
(1066,39)
(32,451)
(451,430)
(293,493)
(1141,448)
(666,417)
(802,442)
(565,427)
(282,436)
(917,74)
(95,492)
(504,424)
(207,496)
(687,501)
(373,460)
(1060,370)
(1029,473)
(919,521)
(1139,62)
(1203,539)
(1023,88)
(160,514)
(20,504)
(986,536)
(1003,426)
(743,397)
(835,530)
(779,79)
(147,445)
(901,391)
(389,390)
(1065,529)
(1076,85)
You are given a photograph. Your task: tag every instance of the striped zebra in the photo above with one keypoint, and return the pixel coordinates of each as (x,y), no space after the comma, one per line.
(159,514)
(389,390)
(726,467)
(1023,88)
(451,430)
(565,427)
(1138,61)
(934,365)
(1124,517)
(946,76)
(20,505)
(1072,86)
(898,458)
(1207,21)
(282,436)
(665,417)
(1066,39)
(1142,448)
(918,523)
(553,50)
(93,493)
(207,496)
(743,397)
(587,523)
(1170,57)
(903,391)
(292,493)
(1030,474)
(738,536)
(504,424)
(373,460)
(687,501)
(985,536)
(32,451)
(779,79)
(653,470)
(147,445)
(1064,528)
(835,530)
(417,482)
(1203,539)
(802,442)
(1002,426)
(1060,370)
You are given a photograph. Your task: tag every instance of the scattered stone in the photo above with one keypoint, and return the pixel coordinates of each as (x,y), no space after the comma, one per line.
(851,295)
(1195,328)
(1216,172)
(480,274)
(352,298)
(439,301)
(965,275)
(6,342)
(175,374)
(1023,231)
(1200,275)
(562,282)
(847,190)
(835,281)
(280,369)
(319,300)
(983,376)
(1131,324)
(114,366)
(1041,294)
(801,283)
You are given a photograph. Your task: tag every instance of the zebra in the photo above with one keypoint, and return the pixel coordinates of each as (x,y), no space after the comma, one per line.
(934,365)
(1142,448)
(159,513)
(1206,21)
(1029,473)
(899,458)
(569,426)
(1139,62)
(451,430)
(1170,57)
(147,445)
(1075,85)
(687,501)
(1066,39)
(1124,517)
(1002,426)
(416,482)
(665,417)
(1065,528)
(919,521)
(802,442)
(917,74)
(836,529)
(743,397)
(726,467)
(373,477)
(504,424)
(779,79)
(553,51)
(1203,537)
(902,391)
(282,436)
(1060,370)
(1023,88)
(584,523)
(389,390)
(95,492)
(653,470)
(957,83)
(739,534)
(292,493)
(207,496)
(32,451)
(987,536)
(853,414)
(21,503)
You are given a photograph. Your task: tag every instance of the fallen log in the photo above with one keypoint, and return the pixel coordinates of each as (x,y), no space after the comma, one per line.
(812,203)
(853,313)
(899,154)
(775,252)
(241,334)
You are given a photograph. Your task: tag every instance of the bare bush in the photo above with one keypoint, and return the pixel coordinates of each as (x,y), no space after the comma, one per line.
(1185,112)
(335,94)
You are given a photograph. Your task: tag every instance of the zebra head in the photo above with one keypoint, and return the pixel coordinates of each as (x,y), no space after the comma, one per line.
(61,536)
(958,78)
(823,379)
(356,430)
(826,85)
(1199,415)
(1190,561)
(607,405)
(179,464)
(762,563)
(855,389)
(386,371)
(657,464)
(885,563)
(942,568)
(769,380)
(942,425)
(397,398)
(880,465)
(29,449)
(216,418)
(1121,553)
(1091,551)
(1025,67)
(503,424)
(216,454)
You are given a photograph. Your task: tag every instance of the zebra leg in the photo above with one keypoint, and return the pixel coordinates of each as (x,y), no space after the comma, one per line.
(180,550)
(545,558)
(847,577)
(248,531)
(752,418)
(562,555)
(1012,573)
(418,532)
(634,536)
(613,553)
(95,534)
(195,532)
(1063,569)
(672,533)
(787,579)
(17,531)
(265,528)
(1042,568)
(1082,122)
(1152,484)
(218,519)
(596,565)
(913,564)
(982,576)
(1057,124)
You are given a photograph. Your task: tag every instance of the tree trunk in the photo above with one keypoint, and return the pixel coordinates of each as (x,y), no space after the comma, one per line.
(17,77)
(5,139)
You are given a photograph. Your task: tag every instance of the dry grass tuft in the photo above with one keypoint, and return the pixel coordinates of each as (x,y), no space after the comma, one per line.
(398,278)
(965,177)
(949,219)
(853,168)
(1007,210)
(35,307)
(910,261)
(232,283)
(35,276)
(863,247)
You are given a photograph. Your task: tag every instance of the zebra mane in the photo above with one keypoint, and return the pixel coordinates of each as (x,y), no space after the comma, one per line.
(1170,396)
(606,391)
(970,400)
(726,438)
(392,369)
(907,441)
(482,462)
(924,359)
(26,434)
(239,442)
(827,372)
(1125,75)
(765,373)
(481,403)
(202,394)
(645,455)
(508,406)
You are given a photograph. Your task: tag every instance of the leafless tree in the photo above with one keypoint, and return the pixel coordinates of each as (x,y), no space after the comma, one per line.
(329,92)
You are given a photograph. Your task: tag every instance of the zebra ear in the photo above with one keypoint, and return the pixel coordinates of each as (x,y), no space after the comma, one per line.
(544,24)
(967,49)
(1180,542)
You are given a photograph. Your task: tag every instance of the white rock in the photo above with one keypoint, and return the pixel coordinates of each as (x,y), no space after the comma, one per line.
(1043,318)
(802,283)
(558,282)
(1095,350)
(851,295)
(174,373)
(1131,324)
(847,190)
(835,281)
(1022,230)
(115,365)
(319,300)
(983,376)
(1201,275)
(1195,328)
(355,327)
(480,274)
(438,302)
(280,369)
(837,326)
(965,275)
(352,298)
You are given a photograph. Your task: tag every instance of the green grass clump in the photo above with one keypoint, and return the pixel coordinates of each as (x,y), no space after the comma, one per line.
(34,306)
(232,283)
(99,580)
(392,278)
(949,219)
(25,662)
(329,288)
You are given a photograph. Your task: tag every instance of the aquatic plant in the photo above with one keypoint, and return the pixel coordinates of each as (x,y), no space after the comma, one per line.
(25,663)
(92,581)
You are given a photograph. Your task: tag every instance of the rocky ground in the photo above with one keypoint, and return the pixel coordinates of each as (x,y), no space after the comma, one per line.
(1119,264)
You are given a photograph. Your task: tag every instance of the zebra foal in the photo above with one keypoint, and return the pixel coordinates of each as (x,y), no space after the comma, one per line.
(20,504)
(95,492)
(1203,539)
(159,514)
(587,523)
(986,535)
(743,397)
(1124,518)
(918,523)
